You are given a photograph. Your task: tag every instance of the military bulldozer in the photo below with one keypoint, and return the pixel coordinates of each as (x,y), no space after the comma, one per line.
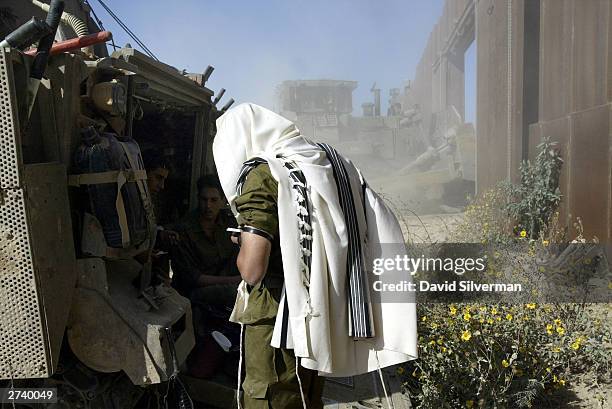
(77,312)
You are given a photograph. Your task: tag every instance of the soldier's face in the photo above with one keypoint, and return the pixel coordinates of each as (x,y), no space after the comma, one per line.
(156,179)
(211,203)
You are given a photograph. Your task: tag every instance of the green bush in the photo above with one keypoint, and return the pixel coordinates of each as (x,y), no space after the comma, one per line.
(533,201)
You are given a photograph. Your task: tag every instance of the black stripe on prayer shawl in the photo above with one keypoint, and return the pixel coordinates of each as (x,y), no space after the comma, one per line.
(247,167)
(301,192)
(360,324)
(305,228)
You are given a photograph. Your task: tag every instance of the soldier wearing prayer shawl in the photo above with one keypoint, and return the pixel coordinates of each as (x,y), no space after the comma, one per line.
(310,228)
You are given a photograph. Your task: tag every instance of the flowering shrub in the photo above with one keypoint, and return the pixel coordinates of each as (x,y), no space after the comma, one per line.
(509,355)
(475,355)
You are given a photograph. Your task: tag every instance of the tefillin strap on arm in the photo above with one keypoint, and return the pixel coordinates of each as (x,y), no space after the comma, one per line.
(259,232)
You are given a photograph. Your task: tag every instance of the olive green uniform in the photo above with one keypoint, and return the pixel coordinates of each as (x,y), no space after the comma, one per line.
(270,380)
(197,253)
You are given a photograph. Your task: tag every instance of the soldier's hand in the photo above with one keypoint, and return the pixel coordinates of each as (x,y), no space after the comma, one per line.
(169,238)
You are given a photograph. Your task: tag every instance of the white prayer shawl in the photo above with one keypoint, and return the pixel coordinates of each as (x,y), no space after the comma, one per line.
(317,300)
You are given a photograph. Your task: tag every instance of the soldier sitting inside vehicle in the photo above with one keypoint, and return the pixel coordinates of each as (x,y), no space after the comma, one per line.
(158,170)
(204,268)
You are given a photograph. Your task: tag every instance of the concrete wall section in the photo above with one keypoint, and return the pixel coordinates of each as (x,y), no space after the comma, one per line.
(559,84)
(590,29)
(555,58)
(609,53)
(492,103)
(589,178)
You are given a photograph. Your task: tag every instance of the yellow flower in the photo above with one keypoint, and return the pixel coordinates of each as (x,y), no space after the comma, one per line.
(549,329)
(562,382)
(483,309)
(523,233)
(400,370)
(443,349)
(466,335)
(424,318)
(434,325)
(560,331)
(432,342)
(557,349)
(505,363)
(576,344)
(509,317)
(489,321)
(493,310)
(439,341)
(469,404)
(557,322)
(467,316)
(530,306)
(548,370)
(453,310)
(481,320)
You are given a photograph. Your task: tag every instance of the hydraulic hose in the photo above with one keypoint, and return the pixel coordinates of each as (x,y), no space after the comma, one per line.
(78,25)
(30,32)
(44,46)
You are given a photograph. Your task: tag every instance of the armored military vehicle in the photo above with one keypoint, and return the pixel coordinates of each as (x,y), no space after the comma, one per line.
(81,311)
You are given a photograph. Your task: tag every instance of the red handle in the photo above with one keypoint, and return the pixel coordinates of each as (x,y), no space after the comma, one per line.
(76,43)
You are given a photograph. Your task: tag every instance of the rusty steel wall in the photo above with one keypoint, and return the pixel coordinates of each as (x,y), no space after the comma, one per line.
(575,107)
(574,94)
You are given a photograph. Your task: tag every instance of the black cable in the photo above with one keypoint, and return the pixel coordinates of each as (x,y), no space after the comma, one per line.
(128,31)
(125,27)
(131,34)
(99,22)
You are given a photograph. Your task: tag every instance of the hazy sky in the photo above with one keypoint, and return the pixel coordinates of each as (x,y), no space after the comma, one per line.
(255,45)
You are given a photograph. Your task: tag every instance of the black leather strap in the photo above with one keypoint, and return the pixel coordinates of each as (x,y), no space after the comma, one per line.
(259,232)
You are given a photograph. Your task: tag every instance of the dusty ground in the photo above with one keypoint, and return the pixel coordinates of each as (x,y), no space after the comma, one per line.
(431,228)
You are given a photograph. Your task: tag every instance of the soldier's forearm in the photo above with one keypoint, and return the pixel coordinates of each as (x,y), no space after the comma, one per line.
(253,257)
